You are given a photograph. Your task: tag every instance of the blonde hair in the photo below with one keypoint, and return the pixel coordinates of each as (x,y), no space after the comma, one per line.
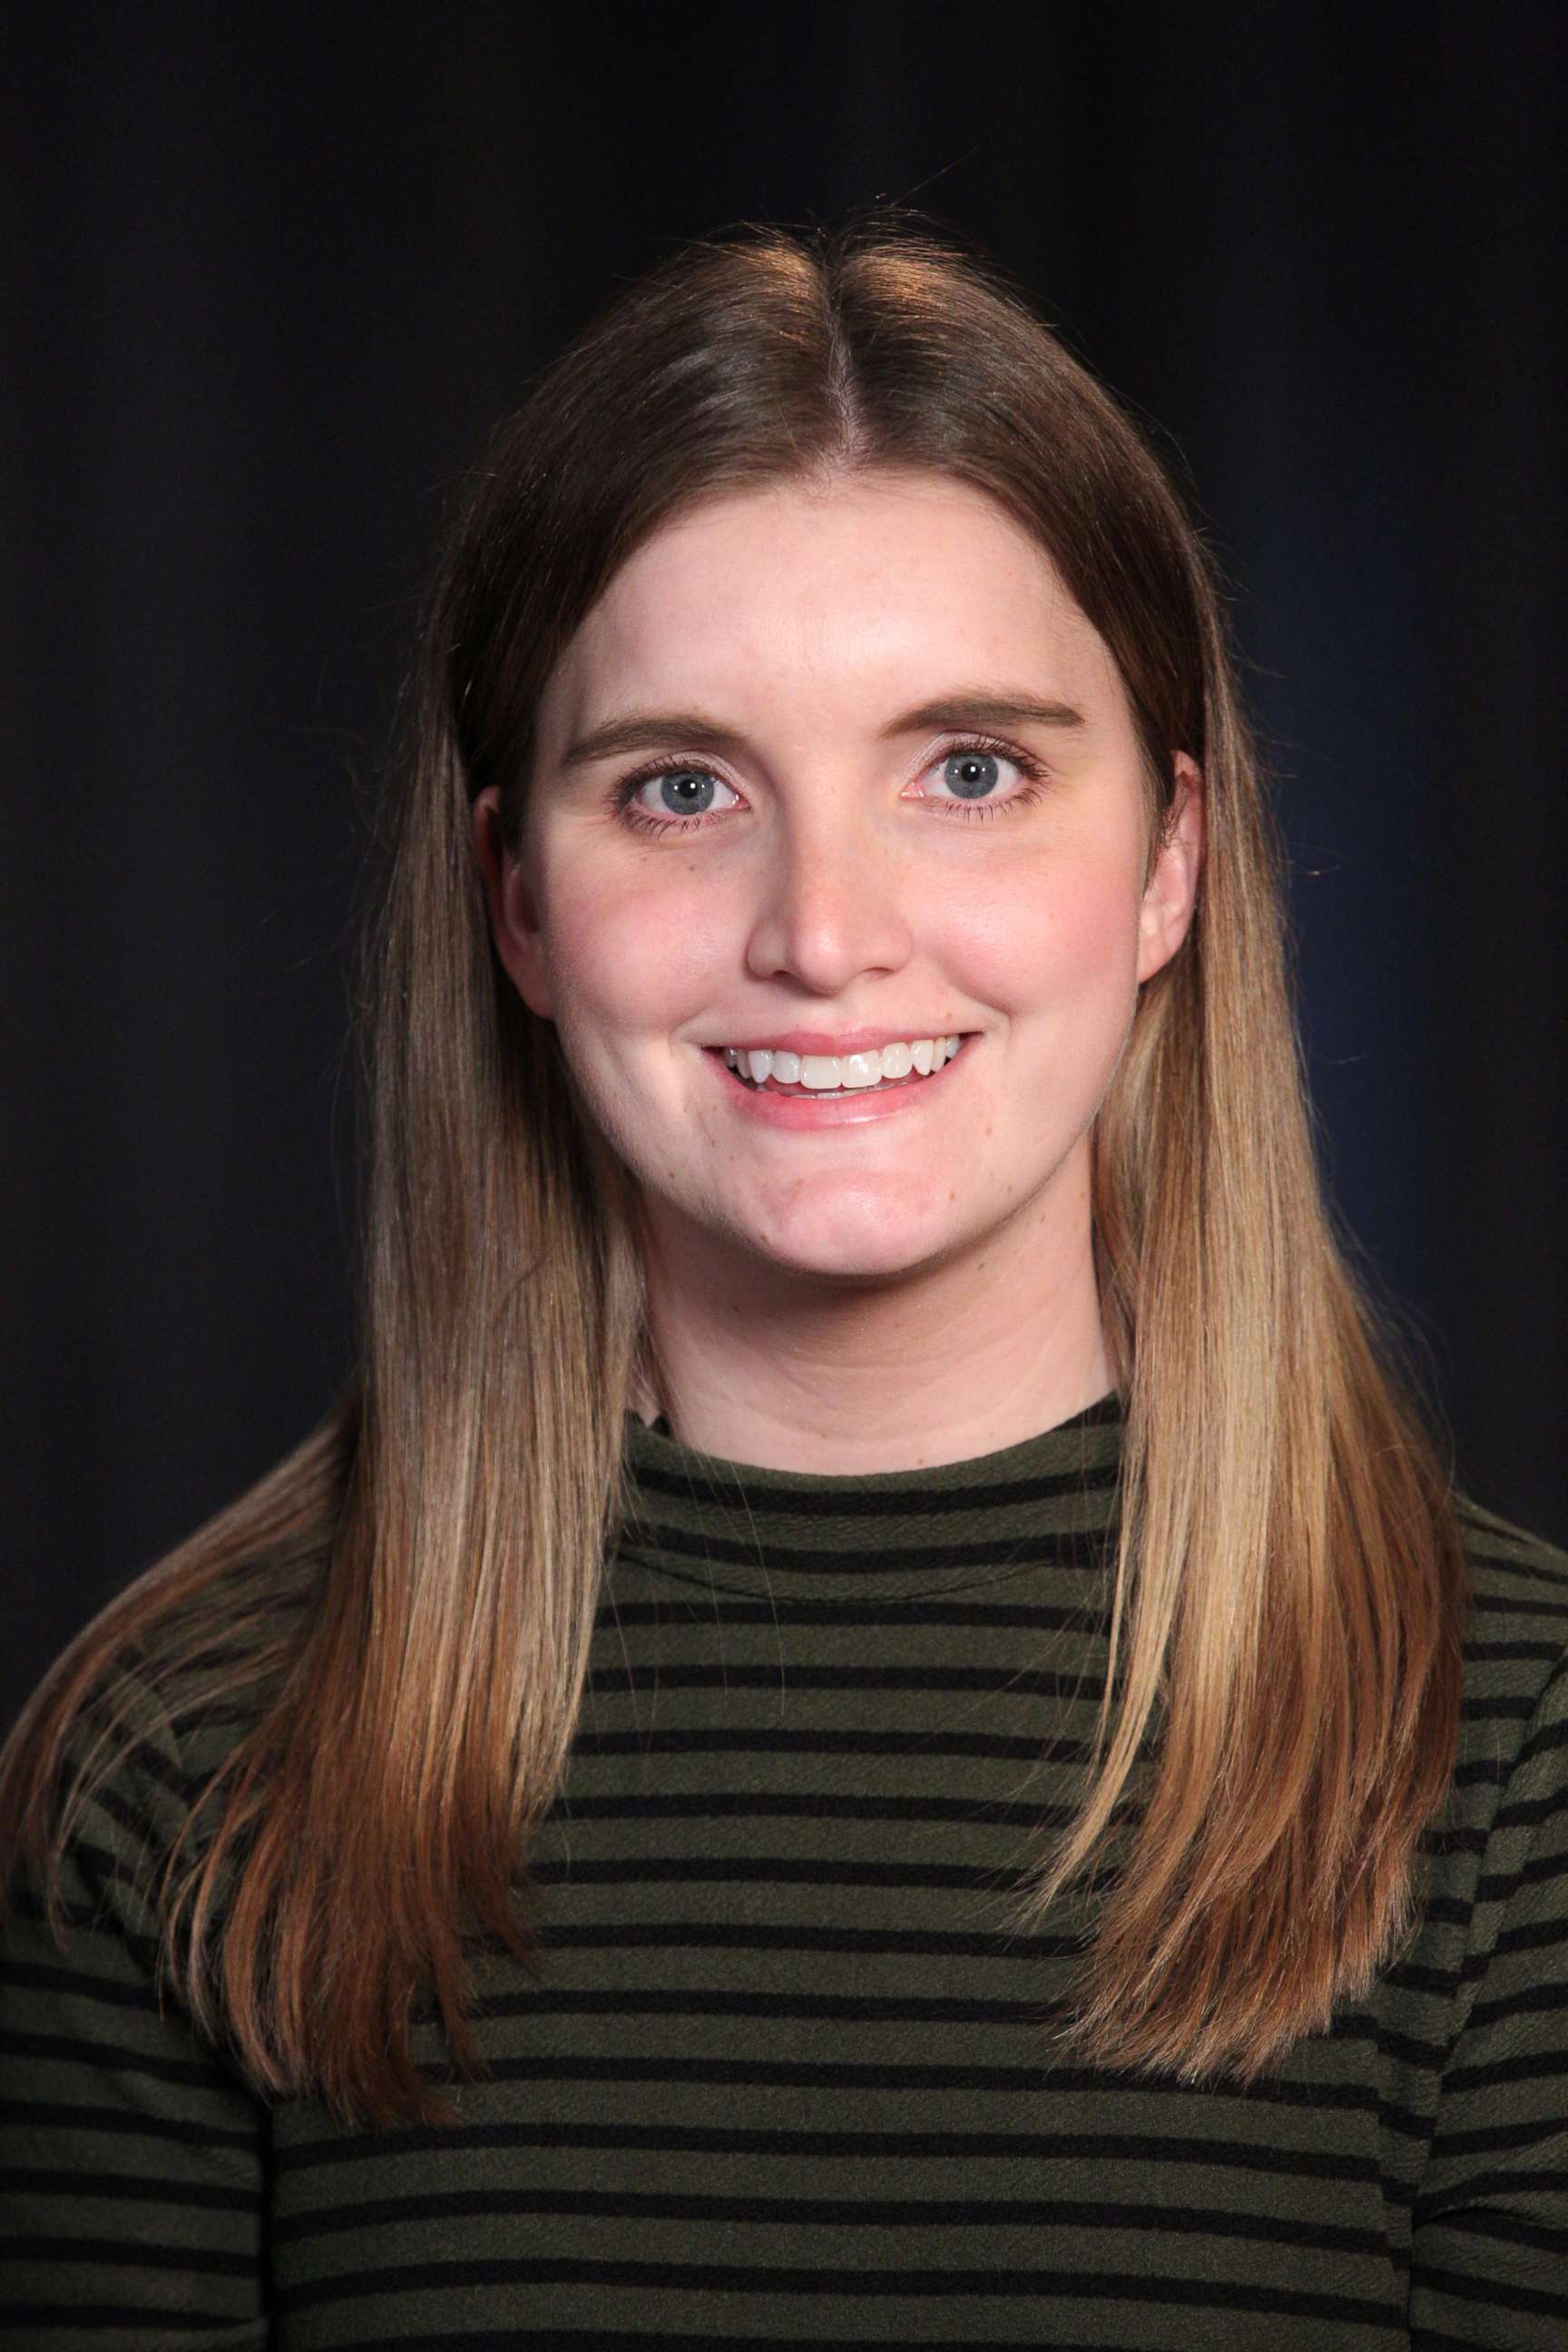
(398,1616)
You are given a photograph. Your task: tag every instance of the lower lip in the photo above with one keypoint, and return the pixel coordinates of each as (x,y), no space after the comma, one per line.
(774,1108)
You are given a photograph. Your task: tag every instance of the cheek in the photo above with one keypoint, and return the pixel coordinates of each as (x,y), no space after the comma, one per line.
(1059,934)
(632,952)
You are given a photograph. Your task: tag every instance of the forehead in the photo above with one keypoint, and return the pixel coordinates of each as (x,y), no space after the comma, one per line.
(854,589)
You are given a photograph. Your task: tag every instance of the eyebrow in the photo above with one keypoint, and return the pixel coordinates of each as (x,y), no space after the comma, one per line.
(974,706)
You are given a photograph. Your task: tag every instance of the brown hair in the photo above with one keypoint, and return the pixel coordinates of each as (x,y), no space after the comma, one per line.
(398,1616)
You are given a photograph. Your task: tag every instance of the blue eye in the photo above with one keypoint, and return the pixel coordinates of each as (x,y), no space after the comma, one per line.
(971,775)
(685,792)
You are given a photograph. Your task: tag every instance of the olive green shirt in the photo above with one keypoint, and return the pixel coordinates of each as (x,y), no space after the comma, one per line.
(785,2079)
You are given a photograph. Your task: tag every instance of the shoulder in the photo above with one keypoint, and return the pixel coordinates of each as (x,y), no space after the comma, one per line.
(156,1695)
(107,1798)
(120,2073)
(132,1772)
(1517,1633)
(1514,1728)
(1493,1541)
(1496,1927)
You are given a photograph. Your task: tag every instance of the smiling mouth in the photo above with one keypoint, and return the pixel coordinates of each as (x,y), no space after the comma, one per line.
(827,1077)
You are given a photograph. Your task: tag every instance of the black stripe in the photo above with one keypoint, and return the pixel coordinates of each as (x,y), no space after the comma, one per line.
(1530,1936)
(444,2207)
(1492,2287)
(1422,2339)
(117,2315)
(79,1984)
(1479,2185)
(757,1497)
(1022,1551)
(96,1922)
(786,1805)
(1492,1653)
(1000,1682)
(701,1739)
(134,1820)
(57,2115)
(1530,1573)
(1454,1838)
(1530,2066)
(1501,1888)
(1484,2139)
(1440,1984)
(835,2147)
(1547,1740)
(106,2056)
(1512,1605)
(1534,2001)
(1357,2097)
(1507,2229)
(1498,1706)
(675,2001)
(731,1935)
(611,2339)
(124,2188)
(1160,2289)
(716,1609)
(136,2254)
(773,1870)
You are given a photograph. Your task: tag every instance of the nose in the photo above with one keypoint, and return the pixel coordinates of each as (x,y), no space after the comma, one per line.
(831,903)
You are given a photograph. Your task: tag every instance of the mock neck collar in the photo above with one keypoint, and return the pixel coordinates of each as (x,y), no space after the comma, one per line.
(893,1534)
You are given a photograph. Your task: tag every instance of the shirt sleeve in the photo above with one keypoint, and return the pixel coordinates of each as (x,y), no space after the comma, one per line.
(133,2157)
(1490,2264)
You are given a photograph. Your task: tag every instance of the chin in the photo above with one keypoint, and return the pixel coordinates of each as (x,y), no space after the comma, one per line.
(872,1251)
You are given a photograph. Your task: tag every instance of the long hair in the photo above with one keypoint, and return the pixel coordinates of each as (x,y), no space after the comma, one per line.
(397,1618)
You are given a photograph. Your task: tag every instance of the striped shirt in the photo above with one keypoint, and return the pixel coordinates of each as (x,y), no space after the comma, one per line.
(783,2079)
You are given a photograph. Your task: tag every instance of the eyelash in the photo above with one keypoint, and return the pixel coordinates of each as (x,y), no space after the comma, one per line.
(968,812)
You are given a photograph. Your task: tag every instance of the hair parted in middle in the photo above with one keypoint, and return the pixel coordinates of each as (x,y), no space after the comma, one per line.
(1290,1575)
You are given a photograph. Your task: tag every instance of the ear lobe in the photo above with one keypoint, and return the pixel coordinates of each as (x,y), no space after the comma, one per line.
(1171,893)
(514,922)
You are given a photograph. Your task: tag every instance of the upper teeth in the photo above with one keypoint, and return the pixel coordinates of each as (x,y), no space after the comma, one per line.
(823,1071)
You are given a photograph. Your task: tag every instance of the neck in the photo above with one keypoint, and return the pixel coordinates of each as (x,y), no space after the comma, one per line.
(756,1363)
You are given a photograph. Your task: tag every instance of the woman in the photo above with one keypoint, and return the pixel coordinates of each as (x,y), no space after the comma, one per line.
(876,1719)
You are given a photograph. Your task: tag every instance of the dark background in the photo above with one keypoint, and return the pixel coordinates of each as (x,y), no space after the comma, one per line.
(268,282)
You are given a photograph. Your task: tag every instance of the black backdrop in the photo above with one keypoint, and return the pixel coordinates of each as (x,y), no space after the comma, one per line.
(268,281)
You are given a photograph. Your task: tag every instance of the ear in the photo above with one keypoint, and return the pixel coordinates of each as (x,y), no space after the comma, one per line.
(514,920)
(1172,888)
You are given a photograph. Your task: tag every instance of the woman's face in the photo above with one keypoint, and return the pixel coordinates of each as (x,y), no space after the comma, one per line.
(848,833)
